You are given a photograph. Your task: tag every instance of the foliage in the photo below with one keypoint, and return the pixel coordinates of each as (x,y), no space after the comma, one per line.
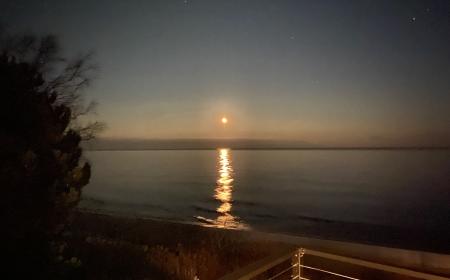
(112,247)
(41,169)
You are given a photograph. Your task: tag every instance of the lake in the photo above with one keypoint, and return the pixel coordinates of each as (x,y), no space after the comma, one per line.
(389,197)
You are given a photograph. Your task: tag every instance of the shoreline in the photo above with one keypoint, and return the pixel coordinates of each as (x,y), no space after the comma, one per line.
(402,238)
(182,232)
(168,249)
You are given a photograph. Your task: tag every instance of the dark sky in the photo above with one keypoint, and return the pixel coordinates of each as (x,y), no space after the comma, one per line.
(326,72)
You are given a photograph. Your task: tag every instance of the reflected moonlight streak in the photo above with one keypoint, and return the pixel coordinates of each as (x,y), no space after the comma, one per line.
(223,194)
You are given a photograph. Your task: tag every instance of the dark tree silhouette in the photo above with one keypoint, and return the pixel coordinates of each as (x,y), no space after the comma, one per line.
(41,169)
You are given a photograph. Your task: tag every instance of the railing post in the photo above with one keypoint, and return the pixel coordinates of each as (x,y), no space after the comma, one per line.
(300,254)
(297,263)
(294,264)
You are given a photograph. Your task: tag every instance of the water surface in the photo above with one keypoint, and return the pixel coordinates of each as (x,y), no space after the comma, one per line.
(370,195)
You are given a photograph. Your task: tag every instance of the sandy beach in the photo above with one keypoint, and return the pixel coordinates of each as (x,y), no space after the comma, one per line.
(113,247)
(138,248)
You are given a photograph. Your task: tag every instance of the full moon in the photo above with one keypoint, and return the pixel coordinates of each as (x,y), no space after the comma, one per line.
(224,120)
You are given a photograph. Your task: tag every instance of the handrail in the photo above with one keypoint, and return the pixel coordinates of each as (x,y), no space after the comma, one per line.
(329,272)
(259,267)
(377,266)
(283,272)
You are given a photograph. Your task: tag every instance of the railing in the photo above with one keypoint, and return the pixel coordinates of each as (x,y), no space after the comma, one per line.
(305,264)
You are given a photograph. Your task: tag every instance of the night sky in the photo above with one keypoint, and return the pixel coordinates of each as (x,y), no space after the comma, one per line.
(325,72)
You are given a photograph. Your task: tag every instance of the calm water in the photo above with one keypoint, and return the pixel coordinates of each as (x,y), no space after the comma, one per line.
(343,194)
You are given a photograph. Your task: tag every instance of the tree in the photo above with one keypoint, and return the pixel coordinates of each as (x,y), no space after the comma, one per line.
(41,168)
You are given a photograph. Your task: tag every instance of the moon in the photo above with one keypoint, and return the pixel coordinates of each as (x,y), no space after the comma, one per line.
(224,120)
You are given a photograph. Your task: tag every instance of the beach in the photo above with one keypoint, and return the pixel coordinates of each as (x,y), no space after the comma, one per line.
(113,247)
(125,247)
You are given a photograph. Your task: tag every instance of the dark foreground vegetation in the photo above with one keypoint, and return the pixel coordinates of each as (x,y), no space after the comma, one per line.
(42,171)
(131,248)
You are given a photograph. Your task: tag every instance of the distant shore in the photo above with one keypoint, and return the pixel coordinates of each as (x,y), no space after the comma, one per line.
(111,144)
(274,149)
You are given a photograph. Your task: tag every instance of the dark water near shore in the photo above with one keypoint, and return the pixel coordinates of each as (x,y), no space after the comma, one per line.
(389,197)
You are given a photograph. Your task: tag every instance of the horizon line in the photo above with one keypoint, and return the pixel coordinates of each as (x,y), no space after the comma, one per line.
(279,148)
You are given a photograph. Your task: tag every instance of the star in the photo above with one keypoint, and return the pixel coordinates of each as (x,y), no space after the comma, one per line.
(413,19)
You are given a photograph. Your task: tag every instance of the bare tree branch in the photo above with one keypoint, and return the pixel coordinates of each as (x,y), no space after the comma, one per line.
(90,130)
(66,78)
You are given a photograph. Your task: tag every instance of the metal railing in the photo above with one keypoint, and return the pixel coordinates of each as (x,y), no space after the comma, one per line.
(305,264)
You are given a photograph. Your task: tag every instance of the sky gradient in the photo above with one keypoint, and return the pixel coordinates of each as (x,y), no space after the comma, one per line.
(346,73)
